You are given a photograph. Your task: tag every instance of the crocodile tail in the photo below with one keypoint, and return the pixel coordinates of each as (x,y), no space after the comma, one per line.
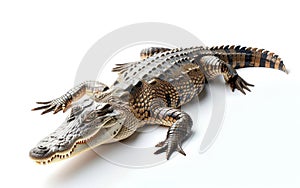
(242,57)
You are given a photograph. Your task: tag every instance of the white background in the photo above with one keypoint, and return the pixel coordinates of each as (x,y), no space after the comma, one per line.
(42,44)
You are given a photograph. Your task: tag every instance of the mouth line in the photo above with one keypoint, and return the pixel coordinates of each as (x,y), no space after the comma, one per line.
(62,155)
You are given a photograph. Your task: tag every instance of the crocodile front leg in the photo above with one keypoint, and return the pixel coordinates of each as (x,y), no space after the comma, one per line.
(74,94)
(180,128)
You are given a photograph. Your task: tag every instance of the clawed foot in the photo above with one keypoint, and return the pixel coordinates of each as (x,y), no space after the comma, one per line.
(239,83)
(169,146)
(56,105)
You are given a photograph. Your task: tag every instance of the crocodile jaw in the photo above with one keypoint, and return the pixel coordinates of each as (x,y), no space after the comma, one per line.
(102,136)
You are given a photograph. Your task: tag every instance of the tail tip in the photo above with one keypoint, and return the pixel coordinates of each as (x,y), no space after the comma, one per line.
(285,70)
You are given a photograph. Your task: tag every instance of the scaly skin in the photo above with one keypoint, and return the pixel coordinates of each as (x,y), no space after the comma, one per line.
(148,91)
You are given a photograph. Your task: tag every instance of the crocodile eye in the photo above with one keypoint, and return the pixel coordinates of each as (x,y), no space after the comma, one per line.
(77,108)
(74,112)
(90,117)
(87,103)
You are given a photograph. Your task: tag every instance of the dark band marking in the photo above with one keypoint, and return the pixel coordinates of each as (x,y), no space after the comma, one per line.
(229,57)
(272,64)
(248,58)
(175,114)
(262,61)
(238,57)
(168,99)
(281,65)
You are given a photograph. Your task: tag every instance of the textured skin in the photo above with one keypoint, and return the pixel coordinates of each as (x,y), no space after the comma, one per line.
(151,90)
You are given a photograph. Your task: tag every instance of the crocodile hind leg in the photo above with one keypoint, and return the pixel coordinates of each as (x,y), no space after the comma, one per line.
(180,124)
(213,66)
(147,52)
(74,94)
(234,80)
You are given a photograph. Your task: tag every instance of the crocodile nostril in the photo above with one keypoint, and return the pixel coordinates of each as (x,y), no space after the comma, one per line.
(42,147)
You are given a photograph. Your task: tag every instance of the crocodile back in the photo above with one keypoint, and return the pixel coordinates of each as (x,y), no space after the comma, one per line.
(175,70)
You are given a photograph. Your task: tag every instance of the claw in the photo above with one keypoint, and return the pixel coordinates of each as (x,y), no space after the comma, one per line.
(180,150)
(40,108)
(55,105)
(168,153)
(48,110)
(239,83)
(160,150)
(244,85)
(160,144)
(65,107)
(44,102)
(169,146)
(239,87)
(57,109)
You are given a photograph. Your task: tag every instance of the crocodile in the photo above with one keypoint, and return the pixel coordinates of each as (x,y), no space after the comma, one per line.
(149,91)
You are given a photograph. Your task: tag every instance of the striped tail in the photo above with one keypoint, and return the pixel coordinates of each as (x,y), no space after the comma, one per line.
(241,57)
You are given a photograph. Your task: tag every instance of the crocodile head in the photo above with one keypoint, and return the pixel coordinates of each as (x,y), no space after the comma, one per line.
(89,124)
